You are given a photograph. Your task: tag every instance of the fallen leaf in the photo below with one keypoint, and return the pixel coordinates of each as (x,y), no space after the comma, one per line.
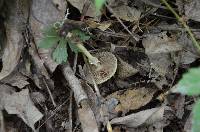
(127,13)
(160,43)
(161,63)
(20,103)
(4,90)
(79,4)
(87,118)
(160,81)
(16,79)
(192,10)
(14,43)
(155,127)
(132,99)
(37,97)
(189,53)
(145,117)
(102,26)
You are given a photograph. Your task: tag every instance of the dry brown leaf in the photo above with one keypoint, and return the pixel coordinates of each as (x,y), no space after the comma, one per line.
(127,13)
(4,90)
(79,4)
(102,26)
(20,103)
(189,53)
(160,43)
(87,118)
(14,43)
(37,97)
(132,99)
(161,63)
(158,48)
(192,10)
(145,117)
(160,82)
(16,79)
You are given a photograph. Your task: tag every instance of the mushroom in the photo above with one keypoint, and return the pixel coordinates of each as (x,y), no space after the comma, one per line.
(124,69)
(105,69)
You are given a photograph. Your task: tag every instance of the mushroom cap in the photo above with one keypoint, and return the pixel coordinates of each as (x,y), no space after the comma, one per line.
(105,69)
(124,69)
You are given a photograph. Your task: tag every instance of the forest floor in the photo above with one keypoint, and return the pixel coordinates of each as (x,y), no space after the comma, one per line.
(143,46)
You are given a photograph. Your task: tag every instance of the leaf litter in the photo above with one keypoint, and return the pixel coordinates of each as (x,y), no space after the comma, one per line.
(152,51)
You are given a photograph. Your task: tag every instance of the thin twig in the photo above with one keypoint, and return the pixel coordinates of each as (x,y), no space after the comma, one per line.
(70,111)
(54,112)
(49,91)
(135,36)
(39,63)
(184,25)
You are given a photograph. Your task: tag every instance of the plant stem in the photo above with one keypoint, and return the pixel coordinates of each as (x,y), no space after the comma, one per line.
(184,25)
(92,60)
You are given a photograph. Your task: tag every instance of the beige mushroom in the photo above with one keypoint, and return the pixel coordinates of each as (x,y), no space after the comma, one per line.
(124,69)
(105,69)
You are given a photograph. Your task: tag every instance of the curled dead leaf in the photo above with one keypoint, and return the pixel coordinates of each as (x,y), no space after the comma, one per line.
(132,99)
(141,118)
(20,103)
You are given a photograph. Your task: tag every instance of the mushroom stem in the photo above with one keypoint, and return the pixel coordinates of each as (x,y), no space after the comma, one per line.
(92,60)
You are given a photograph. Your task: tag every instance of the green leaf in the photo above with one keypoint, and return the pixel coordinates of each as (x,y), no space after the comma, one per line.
(73,47)
(50,38)
(83,37)
(190,83)
(99,4)
(196,117)
(60,53)
(48,42)
(50,31)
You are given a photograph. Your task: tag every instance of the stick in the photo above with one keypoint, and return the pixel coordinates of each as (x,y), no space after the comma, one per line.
(74,83)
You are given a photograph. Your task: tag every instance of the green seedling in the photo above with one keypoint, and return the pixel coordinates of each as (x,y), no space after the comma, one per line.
(99,4)
(190,85)
(74,39)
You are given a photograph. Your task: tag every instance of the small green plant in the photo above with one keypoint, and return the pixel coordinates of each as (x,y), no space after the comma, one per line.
(190,85)
(99,4)
(74,39)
